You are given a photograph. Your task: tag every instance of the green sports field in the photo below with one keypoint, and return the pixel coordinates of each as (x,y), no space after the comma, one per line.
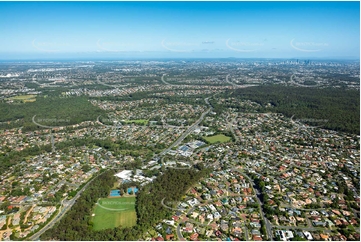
(114,212)
(221,138)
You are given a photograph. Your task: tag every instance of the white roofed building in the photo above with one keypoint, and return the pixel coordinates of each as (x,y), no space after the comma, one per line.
(125,175)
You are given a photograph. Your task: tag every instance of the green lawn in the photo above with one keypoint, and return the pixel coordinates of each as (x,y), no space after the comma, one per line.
(114,212)
(221,138)
(137,121)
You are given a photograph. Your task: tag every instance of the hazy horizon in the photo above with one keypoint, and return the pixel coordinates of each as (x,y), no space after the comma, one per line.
(103,30)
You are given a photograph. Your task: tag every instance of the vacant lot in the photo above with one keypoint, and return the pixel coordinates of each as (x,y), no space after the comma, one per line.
(24,98)
(114,212)
(221,138)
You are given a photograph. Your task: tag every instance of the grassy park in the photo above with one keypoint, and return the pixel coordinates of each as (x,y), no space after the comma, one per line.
(114,212)
(219,138)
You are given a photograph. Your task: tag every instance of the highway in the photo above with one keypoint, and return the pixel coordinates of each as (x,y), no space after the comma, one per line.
(300,85)
(167,83)
(236,85)
(108,85)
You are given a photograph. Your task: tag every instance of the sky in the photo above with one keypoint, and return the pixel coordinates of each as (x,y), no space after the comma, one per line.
(179,30)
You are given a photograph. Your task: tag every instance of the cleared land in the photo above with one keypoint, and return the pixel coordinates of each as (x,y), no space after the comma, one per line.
(24,98)
(114,212)
(221,138)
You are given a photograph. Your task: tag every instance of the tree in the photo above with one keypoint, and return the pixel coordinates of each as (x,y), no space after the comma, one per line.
(4,206)
(298,238)
(85,168)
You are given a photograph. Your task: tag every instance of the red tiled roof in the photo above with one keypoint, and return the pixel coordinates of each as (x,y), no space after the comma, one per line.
(257,238)
(194,236)
(169,236)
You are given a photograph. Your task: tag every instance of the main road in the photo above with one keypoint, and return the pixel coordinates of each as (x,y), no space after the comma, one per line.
(236,85)
(230,124)
(43,126)
(167,83)
(189,130)
(61,212)
(266,222)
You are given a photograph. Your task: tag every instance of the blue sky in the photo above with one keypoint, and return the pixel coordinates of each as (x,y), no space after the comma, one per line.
(180,29)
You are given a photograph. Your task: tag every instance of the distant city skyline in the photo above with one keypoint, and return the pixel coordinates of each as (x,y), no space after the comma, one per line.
(321,30)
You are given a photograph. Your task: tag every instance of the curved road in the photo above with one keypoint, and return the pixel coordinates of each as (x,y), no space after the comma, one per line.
(179,234)
(236,85)
(301,85)
(105,125)
(44,126)
(167,83)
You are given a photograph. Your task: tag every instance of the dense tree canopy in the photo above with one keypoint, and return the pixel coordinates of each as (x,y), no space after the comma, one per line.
(331,108)
(66,111)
